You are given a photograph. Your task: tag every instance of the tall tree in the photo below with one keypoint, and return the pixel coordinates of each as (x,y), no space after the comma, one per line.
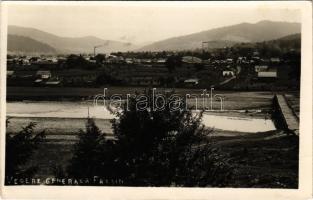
(163,147)
(19,149)
(158,143)
(172,62)
(85,161)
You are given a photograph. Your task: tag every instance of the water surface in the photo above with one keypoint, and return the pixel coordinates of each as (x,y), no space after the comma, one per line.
(46,109)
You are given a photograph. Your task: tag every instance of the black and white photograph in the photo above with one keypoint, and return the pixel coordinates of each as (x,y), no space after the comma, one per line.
(128,94)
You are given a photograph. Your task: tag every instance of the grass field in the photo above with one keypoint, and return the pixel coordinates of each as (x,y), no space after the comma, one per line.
(85,91)
(58,126)
(232,100)
(259,160)
(262,160)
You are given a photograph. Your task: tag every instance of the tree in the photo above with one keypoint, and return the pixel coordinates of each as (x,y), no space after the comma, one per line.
(19,149)
(93,155)
(166,147)
(153,147)
(172,62)
(85,161)
(100,58)
(78,61)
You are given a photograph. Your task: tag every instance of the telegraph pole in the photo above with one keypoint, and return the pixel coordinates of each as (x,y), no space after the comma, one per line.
(203,44)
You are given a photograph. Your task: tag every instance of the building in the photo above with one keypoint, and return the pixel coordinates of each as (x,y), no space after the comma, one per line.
(115,59)
(256,53)
(228,73)
(275,60)
(129,61)
(191,82)
(10,73)
(52,60)
(53,82)
(241,59)
(161,61)
(229,60)
(256,58)
(25,61)
(272,73)
(191,60)
(259,68)
(43,74)
(38,81)
(146,61)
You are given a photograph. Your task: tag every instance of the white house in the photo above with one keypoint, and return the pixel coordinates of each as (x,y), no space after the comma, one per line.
(161,60)
(275,60)
(129,60)
(10,73)
(53,82)
(268,74)
(229,60)
(43,74)
(228,73)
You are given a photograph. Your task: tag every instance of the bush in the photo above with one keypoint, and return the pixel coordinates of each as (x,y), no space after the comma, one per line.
(153,148)
(19,149)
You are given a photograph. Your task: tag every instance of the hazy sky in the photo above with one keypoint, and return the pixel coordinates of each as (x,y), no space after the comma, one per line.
(138,23)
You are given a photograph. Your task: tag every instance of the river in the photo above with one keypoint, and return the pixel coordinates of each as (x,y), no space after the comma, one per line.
(80,110)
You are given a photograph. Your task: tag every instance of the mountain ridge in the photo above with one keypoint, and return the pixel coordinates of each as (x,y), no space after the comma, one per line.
(83,44)
(243,32)
(21,44)
(217,38)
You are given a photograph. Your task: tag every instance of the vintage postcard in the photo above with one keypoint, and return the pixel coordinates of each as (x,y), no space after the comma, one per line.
(156,100)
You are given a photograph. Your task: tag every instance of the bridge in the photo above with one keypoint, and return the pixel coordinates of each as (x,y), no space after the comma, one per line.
(288,116)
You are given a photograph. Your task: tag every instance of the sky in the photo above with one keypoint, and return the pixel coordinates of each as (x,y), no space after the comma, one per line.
(137,22)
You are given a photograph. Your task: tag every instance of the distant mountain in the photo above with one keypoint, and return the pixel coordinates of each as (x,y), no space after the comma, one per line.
(216,38)
(71,45)
(21,44)
(288,42)
(296,36)
(244,32)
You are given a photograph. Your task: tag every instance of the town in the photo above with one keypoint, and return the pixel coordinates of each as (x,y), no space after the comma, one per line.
(225,68)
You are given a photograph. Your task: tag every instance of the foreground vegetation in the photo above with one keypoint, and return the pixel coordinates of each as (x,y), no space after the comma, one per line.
(262,160)
(164,149)
(153,148)
(258,160)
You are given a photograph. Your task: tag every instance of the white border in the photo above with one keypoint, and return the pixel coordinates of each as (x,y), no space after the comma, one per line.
(86,192)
